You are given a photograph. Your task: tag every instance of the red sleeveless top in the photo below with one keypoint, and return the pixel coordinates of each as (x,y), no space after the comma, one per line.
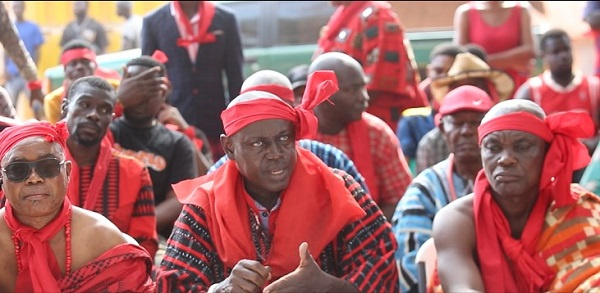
(500,38)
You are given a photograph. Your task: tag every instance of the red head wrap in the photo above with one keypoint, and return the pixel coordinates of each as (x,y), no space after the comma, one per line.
(321,85)
(283,92)
(10,136)
(79,53)
(566,152)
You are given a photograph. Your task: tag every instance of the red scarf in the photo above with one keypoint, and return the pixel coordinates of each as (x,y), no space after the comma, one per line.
(285,93)
(40,269)
(320,86)
(206,12)
(315,206)
(495,245)
(100,171)
(343,15)
(358,132)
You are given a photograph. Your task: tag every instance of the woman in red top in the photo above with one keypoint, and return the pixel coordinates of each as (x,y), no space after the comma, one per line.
(503,29)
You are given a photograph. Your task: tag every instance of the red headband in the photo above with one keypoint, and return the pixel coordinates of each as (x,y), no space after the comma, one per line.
(565,154)
(320,86)
(281,91)
(79,53)
(10,136)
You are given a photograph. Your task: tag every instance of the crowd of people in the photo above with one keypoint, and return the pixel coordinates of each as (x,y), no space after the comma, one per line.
(326,178)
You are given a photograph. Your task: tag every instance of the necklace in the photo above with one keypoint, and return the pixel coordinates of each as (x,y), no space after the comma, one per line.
(68,258)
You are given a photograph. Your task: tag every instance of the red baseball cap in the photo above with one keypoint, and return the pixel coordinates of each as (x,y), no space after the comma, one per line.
(466,97)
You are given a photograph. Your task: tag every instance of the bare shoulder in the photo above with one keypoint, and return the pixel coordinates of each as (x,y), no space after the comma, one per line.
(92,235)
(462,9)
(456,216)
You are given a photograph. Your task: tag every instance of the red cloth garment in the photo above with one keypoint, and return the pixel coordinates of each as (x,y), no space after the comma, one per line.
(320,86)
(40,269)
(227,212)
(281,91)
(206,11)
(581,94)
(116,270)
(100,171)
(371,33)
(10,136)
(78,53)
(358,132)
(160,56)
(500,38)
(494,241)
(343,15)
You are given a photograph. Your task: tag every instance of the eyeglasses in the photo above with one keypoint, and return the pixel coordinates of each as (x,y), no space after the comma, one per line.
(20,171)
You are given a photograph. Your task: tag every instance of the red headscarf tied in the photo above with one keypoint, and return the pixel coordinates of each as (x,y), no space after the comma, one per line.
(320,86)
(160,56)
(529,272)
(10,136)
(79,53)
(281,91)
(566,152)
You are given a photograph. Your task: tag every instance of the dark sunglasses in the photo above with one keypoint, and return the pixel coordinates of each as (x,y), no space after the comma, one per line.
(20,171)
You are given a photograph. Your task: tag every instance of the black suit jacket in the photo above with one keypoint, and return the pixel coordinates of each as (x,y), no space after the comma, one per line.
(199,89)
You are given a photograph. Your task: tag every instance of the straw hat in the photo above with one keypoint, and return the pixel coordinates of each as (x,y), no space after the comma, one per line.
(467,65)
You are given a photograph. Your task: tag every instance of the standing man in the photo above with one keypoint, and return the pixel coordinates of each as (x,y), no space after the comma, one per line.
(202,41)
(132,28)
(15,49)
(371,33)
(103,180)
(32,38)
(366,139)
(85,27)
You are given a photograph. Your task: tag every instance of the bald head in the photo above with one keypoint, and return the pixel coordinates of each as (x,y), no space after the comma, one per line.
(334,61)
(266,77)
(251,96)
(512,106)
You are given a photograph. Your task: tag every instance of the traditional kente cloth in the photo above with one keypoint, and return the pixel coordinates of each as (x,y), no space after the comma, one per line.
(118,187)
(371,33)
(362,252)
(569,244)
(379,158)
(116,270)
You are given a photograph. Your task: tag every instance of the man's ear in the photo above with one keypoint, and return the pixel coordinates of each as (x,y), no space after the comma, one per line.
(227,145)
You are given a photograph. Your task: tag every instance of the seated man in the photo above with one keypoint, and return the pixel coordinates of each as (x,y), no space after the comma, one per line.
(367,140)
(79,60)
(461,112)
(242,226)
(48,245)
(169,155)
(103,180)
(525,228)
(467,69)
(278,84)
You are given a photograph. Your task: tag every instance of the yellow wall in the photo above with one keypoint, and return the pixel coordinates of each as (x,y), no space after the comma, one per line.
(53,16)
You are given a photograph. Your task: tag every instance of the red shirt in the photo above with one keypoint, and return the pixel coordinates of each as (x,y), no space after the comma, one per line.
(582,94)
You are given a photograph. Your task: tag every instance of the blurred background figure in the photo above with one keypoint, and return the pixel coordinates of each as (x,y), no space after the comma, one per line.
(131,29)
(503,29)
(591,15)
(32,38)
(298,77)
(86,28)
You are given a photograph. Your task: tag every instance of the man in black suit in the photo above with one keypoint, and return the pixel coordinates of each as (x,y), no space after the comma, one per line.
(201,41)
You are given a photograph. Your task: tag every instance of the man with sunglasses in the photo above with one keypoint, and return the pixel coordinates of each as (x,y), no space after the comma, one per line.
(104,180)
(48,245)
